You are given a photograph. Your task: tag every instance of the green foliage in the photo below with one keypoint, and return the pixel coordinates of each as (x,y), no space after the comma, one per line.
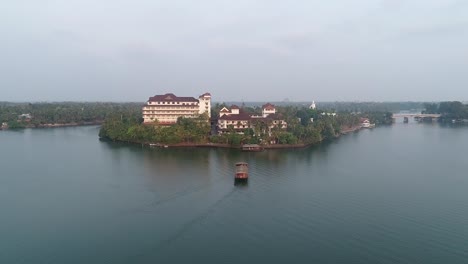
(380,118)
(431,108)
(370,107)
(234,139)
(197,130)
(15,125)
(453,110)
(64,112)
(218,139)
(186,130)
(287,138)
(449,110)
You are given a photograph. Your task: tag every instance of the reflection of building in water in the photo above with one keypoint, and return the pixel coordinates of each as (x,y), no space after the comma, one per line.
(168,107)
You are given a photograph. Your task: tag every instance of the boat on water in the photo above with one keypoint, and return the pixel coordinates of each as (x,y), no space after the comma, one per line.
(252,147)
(242,171)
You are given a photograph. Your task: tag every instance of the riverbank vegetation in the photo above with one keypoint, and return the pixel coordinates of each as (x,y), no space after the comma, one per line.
(23,115)
(450,111)
(304,126)
(129,128)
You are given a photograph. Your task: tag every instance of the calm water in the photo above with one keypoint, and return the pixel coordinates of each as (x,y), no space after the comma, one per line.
(389,195)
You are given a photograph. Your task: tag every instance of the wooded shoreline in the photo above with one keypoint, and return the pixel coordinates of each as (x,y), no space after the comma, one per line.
(57,125)
(229,146)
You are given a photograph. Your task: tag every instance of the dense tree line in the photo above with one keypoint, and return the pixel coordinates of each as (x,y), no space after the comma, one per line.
(356,107)
(449,110)
(379,118)
(304,126)
(130,129)
(19,115)
(123,122)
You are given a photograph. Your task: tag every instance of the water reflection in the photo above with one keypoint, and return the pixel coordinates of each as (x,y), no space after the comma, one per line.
(241,182)
(107,202)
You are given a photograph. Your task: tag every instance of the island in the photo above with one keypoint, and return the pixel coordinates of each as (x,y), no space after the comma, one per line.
(171,121)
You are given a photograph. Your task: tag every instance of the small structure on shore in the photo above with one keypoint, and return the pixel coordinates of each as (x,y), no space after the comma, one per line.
(365,123)
(252,147)
(242,172)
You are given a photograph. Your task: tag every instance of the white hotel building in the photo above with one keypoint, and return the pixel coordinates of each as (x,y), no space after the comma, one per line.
(168,107)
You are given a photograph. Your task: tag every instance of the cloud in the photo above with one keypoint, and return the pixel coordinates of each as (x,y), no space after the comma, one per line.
(267,49)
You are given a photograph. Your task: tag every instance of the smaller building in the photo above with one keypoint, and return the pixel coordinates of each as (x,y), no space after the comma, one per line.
(236,120)
(25,117)
(312,106)
(365,122)
(233,119)
(268,109)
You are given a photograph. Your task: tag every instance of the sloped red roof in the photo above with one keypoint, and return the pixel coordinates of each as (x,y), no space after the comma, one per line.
(170,97)
(234,107)
(205,94)
(268,106)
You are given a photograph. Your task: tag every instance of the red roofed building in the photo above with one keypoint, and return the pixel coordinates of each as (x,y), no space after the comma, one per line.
(168,107)
(268,109)
(239,121)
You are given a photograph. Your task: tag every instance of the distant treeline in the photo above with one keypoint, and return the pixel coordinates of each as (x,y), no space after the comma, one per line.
(357,107)
(449,110)
(20,115)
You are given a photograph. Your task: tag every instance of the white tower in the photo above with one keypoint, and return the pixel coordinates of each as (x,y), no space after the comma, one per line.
(312,106)
(205,104)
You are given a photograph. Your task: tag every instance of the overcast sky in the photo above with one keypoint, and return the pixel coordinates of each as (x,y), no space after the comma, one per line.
(263,50)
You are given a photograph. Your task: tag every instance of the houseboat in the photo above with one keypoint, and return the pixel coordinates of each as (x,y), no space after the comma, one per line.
(252,147)
(242,171)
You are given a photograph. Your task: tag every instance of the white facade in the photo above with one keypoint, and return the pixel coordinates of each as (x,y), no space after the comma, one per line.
(205,104)
(312,106)
(268,109)
(167,108)
(234,111)
(239,120)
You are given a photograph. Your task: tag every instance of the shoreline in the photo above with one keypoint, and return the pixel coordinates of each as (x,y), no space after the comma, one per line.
(219,145)
(57,125)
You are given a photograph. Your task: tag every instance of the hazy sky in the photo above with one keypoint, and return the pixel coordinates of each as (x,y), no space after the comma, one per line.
(263,50)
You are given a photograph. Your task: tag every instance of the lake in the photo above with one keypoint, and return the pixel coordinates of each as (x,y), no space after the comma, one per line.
(396,194)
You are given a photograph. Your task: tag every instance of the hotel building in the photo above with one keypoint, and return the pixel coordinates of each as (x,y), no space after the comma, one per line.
(168,107)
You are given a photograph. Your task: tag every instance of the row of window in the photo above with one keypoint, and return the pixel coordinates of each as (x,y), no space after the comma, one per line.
(176,115)
(174,103)
(235,122)
(175,107)
(169,111)
(165,117)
